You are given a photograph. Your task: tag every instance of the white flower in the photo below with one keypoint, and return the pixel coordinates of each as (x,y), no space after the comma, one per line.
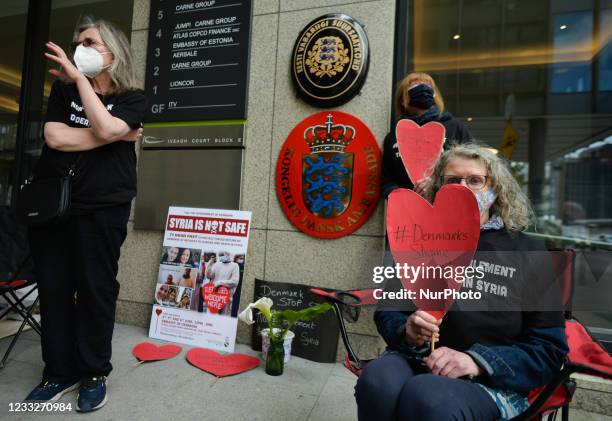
(264,305)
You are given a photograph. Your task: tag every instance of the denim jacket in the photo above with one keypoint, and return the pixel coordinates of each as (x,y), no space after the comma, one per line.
(523,366)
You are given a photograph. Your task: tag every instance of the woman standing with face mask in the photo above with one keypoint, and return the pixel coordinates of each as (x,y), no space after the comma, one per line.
(93,119)
(417,98)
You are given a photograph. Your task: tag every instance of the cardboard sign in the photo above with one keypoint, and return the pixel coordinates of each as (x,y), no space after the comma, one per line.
(221,365)
(146,351)
(315,340)
(421,235)
(200,274)
(419,146)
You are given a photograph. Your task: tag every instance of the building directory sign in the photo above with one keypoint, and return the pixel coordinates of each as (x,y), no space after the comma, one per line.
(197,62)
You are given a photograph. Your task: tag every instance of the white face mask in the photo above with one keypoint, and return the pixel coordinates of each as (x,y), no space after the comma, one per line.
(89,61)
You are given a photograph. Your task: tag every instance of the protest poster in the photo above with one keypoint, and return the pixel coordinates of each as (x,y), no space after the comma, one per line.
(197,293)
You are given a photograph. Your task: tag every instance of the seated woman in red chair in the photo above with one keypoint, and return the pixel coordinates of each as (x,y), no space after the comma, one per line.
(489,357)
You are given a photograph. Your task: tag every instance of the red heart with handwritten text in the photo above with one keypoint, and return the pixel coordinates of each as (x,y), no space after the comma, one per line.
(146,351)
(419,146)
(444,235)
(215,298)
(221,365)
(158,311)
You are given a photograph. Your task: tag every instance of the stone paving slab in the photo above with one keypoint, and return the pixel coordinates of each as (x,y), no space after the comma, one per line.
(164,390)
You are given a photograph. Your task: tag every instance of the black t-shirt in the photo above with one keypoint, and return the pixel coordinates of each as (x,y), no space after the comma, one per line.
(105,176)
(393,171)
(519,291)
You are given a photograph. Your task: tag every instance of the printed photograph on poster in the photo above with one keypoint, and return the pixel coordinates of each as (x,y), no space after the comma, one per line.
(185,300)
(166,295)
(180,256)
(200,277)
(177,275)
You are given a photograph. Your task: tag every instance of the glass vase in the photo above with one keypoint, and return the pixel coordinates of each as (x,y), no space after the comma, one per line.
(276,358)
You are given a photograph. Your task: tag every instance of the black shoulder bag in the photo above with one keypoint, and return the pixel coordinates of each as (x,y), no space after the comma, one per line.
(45,201)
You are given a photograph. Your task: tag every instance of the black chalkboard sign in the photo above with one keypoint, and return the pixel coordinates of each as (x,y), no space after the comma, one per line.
(197,61)
(315,340)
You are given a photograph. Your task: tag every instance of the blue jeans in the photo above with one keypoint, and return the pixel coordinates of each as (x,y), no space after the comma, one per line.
(388,389)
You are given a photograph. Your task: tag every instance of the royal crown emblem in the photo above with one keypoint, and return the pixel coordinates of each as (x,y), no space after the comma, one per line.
(327,171)
(328,174)
(329,137)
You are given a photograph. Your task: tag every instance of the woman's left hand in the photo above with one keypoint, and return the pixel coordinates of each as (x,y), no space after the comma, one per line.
(450,363)
(67,70)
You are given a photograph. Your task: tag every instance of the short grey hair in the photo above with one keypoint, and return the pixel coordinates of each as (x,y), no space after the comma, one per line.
(121,70)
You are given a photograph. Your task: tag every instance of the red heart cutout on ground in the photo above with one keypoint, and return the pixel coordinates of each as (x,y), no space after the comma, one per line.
(215,298)
(221,365)
(421,235)
(158,311)
(146,351)
(419,146)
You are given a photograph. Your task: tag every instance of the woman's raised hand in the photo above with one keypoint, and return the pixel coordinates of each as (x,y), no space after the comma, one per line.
(420,327)
(67,70)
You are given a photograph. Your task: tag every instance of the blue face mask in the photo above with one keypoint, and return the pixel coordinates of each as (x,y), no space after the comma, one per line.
(421,96)
(223,258)
(485,200)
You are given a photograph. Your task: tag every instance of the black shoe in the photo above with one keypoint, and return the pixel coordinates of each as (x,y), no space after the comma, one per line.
(92,394)
(49,391)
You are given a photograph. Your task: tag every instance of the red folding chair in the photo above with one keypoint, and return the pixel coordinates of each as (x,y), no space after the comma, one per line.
(16,273)
(585,355)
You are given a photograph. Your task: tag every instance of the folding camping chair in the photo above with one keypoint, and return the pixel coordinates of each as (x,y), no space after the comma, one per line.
(16,272)
(586,355)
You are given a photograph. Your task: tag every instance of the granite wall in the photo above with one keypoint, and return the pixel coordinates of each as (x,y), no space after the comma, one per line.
(277,250)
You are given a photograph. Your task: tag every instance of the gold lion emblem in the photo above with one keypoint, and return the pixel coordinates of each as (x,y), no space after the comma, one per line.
(327,57)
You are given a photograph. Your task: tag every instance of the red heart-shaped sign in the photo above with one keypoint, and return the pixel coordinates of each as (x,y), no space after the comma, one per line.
(158,311)
(419,146)
(146,351)
(423,236)
(221,365)
(215,298)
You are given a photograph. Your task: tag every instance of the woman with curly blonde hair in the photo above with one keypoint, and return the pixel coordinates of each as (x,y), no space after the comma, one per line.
(510,205)
(492,350)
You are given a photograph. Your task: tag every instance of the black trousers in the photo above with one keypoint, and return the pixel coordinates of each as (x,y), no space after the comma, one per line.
(76,267)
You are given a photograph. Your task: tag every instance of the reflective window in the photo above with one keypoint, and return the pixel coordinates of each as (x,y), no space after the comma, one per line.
(13,17)
(543,69)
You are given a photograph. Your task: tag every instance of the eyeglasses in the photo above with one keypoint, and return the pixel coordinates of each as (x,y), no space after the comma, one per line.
(475,182)
(87,42)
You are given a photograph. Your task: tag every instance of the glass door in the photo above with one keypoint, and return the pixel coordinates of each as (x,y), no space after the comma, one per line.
(13,18)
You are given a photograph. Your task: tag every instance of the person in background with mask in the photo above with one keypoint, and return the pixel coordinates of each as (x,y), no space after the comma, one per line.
(492,351)
(224,273)
(417,98)
(93,120)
